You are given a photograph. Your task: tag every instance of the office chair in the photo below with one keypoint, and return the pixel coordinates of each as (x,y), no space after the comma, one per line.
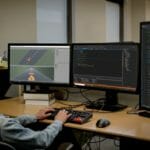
(6,146)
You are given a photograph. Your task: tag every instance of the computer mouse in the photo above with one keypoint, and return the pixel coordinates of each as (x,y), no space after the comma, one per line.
(101,123)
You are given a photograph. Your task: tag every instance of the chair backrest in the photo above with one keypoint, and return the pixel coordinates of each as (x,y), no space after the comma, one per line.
(6,146)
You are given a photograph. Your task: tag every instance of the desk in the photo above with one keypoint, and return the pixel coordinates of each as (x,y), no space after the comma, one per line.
(123,126)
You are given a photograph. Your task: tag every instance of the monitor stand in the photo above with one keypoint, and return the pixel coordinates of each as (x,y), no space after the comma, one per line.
(109,103)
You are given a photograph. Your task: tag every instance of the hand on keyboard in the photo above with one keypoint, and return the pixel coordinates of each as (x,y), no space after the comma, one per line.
(75,116)
(62,115)
(44,113)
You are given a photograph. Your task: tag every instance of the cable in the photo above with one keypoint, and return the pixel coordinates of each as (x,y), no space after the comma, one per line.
(82,93)
(134,111)
(93,140)
(72,92)
(67,94)
(137,106)
(116,143)
(89,101)
(70,105)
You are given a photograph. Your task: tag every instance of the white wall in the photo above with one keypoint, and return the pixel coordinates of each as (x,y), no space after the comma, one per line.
(89,21)
(112,22)
(134,13)
(17,22)
(147,10)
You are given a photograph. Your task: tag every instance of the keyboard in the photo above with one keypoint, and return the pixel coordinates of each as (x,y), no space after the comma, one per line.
(78,117)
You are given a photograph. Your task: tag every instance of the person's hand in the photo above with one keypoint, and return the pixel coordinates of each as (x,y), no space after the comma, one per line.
(62,115)
(44,113)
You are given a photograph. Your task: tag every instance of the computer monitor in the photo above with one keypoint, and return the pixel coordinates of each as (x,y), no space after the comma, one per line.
(113,67)
(144,101)
(39,64)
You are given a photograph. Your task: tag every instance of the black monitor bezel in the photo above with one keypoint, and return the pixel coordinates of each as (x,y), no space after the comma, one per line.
(40,83)
(136,91)
(141,107)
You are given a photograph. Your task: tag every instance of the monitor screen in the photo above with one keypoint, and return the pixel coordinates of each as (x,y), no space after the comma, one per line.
(47,64)
(112,67)
(145,65)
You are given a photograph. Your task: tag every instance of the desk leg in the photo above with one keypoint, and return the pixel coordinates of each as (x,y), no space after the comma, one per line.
(131,144)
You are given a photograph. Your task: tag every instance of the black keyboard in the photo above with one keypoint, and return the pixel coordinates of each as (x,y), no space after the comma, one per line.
(78,117)
(144,114)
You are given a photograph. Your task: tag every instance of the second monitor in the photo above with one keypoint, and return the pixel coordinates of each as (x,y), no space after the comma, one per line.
(113,67)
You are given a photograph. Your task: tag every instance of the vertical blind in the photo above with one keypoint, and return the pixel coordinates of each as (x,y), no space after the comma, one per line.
(112,22)
(51,21)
